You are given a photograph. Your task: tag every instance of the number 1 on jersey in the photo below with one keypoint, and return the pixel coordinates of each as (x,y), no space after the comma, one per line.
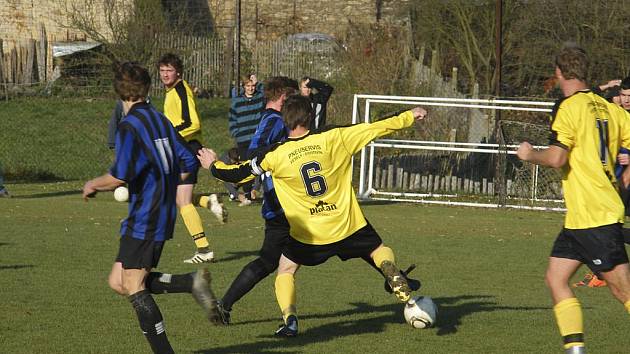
(602,126)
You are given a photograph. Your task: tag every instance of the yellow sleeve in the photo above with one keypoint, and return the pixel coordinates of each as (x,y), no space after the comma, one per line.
(562,130)
(354,138)
(625,128)
(234,173)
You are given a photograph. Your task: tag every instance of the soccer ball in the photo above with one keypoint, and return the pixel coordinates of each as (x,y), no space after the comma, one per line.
(421,312)
(121,194)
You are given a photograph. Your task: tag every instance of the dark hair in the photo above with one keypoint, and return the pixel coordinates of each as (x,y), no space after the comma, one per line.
(172,60)
(131,81)
(625,83)
(233,155)
(278,85)
(573,63)
(297,111)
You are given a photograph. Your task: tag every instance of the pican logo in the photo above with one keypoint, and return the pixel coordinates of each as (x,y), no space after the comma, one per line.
(322,206)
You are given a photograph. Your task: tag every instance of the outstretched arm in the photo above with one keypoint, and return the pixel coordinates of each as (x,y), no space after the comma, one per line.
(555,156)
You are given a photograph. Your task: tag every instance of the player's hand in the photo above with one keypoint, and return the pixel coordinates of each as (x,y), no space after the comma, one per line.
(419,113)
(524,150)
(609,84)
(88,191)
(253,78)
(207,157)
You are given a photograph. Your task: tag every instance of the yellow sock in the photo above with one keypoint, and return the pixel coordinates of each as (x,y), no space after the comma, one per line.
(569,318)
(627,306)
(192,220)
(383,254)
(285,294)
(203,201)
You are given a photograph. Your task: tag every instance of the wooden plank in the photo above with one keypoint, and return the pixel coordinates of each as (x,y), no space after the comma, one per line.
(41,54)
(29,62)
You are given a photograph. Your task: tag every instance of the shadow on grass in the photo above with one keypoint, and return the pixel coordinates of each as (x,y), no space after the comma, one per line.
(453,309)
(16,266)
(238,255)
(47,195)
(451,312)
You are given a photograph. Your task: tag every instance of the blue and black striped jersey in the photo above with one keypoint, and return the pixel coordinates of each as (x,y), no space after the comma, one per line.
(150,155)
(271,130)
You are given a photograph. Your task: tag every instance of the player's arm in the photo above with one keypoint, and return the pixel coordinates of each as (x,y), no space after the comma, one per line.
(357,136)
(232,123)
(190,120)
(561,142)
(234,173)
(105,182)
(323,89)
(555,156)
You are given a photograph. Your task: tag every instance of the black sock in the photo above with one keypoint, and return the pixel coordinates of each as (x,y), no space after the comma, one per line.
(151,321)
(162,283)
(252,274)
(370,261)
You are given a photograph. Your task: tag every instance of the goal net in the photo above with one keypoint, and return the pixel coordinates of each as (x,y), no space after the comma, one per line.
(455,157)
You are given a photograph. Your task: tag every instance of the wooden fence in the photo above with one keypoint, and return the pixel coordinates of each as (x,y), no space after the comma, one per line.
(29,61)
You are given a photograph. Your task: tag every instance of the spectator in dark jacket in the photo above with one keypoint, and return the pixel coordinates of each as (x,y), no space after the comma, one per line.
(319,99)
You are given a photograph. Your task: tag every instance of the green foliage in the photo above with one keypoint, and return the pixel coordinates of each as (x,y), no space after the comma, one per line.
(484,269)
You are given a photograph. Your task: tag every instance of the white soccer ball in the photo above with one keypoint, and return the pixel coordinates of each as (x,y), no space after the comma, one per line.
(121,194)
(421,312)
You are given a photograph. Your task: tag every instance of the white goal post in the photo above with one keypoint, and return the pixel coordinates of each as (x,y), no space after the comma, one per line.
(454,190)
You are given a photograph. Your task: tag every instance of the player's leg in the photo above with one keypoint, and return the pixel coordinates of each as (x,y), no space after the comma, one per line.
(383,256)
(619,283)
(115,279)
(567,309)
(136,258)
(286,296)
(276,235)
(193,223)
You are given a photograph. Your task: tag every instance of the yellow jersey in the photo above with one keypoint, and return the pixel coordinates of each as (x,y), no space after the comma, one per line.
(312,175)
(179,108)
(592,130)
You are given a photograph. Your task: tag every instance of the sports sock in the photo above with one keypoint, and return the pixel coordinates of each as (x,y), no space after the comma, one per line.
(192,220)
(569,318)
(250,275)
(151,321)
(203,201)
(627,306)
(383,254)
(285,294)
(163,283)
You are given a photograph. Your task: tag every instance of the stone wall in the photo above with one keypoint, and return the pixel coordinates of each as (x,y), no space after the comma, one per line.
(21,20)
(270,19)
(260,19)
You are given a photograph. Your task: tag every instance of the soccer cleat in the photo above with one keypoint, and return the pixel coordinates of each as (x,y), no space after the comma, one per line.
(590,280)
(225,314)
(288,329)
(204,296)
(217,208)
(200,257)
(397,282)
(414,284)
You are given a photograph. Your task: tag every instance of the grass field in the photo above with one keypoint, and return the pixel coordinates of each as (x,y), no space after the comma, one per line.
(484,268)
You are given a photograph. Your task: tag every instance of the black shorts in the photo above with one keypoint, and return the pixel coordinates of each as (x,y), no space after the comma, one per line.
(193,146)
(599,248)
(360,244)
(139,254)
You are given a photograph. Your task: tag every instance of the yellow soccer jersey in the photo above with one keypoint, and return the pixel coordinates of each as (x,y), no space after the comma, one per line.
(179,108)
(592,130)
(313,179)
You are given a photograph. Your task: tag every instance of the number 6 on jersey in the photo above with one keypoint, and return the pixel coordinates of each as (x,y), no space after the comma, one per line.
(315,184)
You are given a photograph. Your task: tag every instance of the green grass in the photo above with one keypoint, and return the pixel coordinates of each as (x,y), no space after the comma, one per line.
(65,138)
(484,268)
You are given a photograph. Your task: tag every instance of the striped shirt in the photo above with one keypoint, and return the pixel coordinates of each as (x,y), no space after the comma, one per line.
(150,155)
(271,130)
(245,115)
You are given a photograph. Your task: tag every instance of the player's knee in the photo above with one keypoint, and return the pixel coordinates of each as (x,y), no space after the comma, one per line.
(116,285)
